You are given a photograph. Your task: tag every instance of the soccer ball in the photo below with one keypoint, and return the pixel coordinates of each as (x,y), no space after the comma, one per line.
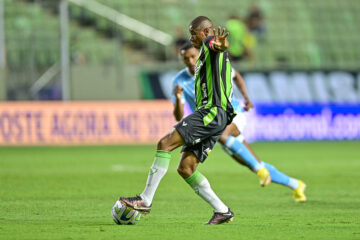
(123,215)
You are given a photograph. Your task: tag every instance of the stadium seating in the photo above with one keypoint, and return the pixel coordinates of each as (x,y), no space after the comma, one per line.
(29,25)
(303,34)
(32,35)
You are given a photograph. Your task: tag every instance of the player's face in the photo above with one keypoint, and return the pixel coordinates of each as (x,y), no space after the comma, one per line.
(189,58)
(197,36)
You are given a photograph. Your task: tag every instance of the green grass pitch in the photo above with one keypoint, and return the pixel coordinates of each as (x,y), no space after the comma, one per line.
(68,192)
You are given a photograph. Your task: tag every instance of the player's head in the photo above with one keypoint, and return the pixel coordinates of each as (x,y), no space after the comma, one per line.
(200,28)
(189,55)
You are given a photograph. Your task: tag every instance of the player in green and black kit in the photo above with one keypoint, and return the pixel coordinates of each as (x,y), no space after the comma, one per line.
(198,132)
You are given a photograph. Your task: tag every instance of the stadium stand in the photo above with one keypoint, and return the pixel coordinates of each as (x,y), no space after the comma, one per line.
(33,45)
(302,34)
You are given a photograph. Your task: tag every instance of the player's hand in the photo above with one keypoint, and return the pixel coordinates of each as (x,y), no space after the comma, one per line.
(220,36)
(248,105)
(178,91)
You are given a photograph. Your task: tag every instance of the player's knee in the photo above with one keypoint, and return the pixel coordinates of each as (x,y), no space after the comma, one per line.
(223,138)
(162,144)
(184,172)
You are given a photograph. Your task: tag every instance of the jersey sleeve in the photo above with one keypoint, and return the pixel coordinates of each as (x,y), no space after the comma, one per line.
(209,43)
(233,75)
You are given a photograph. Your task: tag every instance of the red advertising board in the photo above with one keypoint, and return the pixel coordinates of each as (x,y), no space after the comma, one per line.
(67,123)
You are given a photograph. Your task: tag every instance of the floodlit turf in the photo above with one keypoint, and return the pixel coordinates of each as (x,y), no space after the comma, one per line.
(68,192)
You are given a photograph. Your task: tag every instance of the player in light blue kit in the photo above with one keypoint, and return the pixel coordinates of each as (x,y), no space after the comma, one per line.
(232,138)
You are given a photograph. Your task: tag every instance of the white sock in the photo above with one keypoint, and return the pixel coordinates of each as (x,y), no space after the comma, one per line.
(201,186)
(156,173)
(293,183)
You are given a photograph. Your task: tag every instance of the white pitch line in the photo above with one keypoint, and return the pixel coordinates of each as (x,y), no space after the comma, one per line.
(128,168)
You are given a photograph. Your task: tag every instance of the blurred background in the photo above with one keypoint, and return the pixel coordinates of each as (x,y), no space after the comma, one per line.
(86,71)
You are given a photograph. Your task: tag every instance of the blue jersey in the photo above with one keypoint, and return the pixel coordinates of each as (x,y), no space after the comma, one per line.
(186,81)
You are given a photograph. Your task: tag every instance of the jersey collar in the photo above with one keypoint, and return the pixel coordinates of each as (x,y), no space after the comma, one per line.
(187,70)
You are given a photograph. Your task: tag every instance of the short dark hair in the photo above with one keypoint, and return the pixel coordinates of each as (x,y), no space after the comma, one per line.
(186,46)
(200,20)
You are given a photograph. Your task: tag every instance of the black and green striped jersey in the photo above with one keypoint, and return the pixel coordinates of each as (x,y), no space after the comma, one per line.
(213,87)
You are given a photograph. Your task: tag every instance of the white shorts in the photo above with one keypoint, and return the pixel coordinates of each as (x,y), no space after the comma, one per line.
(240,123)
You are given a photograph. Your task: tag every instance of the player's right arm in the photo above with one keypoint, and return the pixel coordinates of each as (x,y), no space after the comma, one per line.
(219,42)
(178,104)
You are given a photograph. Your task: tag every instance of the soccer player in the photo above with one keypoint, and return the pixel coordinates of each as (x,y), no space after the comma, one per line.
(232,138)
(198,132)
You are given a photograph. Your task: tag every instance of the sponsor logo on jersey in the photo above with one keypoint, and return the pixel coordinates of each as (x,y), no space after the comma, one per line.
(197,67)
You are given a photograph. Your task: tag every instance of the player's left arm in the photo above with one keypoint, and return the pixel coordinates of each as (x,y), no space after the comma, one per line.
(219,43)
(239,81)
(178,104)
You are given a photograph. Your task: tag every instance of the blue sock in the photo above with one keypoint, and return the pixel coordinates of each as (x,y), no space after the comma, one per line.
(240,150)
(281,178)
